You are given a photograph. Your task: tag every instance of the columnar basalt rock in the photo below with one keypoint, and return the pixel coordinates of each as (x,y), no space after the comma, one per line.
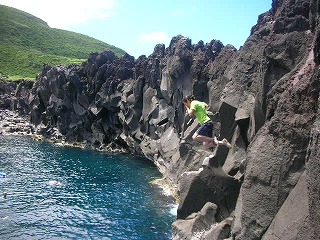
(281,110)
(266,96)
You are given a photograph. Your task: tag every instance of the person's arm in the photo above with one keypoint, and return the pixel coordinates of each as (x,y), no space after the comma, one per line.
(190,111)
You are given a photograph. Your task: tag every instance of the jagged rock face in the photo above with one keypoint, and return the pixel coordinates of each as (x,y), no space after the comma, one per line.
(14,95)
(135,104)
(283,90)
(211,184)
(7,93)
(267,96)
(313,181)
(311,229)
(14,107)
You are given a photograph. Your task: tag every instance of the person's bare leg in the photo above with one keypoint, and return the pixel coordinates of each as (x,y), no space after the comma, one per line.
(210,142)
(207,141)
(201,138)
(225,143)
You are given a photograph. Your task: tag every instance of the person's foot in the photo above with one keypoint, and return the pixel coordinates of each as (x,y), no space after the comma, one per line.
(226,143)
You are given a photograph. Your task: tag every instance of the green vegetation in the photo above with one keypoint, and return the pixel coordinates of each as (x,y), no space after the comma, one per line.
(27,42)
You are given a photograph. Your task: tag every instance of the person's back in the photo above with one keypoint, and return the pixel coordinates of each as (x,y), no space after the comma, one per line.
(200,111)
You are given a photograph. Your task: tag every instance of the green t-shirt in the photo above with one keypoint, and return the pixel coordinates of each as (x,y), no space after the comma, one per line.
(200,111)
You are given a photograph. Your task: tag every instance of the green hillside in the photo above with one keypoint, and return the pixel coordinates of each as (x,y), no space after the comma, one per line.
(27,42)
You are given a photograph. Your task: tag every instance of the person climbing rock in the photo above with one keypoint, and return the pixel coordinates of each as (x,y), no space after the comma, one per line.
(195,108)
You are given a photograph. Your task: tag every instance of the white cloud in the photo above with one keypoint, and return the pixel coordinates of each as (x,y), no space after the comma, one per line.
(65,13)
(155,37)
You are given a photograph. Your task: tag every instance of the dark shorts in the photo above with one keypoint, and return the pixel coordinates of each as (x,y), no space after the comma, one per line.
(206,129)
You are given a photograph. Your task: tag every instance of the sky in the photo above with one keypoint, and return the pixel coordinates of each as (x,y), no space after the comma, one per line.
(137,26)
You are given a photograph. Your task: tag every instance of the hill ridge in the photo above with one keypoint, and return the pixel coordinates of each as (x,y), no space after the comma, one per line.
(26,41)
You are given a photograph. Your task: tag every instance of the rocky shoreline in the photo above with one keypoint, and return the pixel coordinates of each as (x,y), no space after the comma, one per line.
(12,123)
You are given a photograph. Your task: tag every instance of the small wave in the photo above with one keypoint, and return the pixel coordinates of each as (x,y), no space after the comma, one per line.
(173,209)
(167,190)
(54,183)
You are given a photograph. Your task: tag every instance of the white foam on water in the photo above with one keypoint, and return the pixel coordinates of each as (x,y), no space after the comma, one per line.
(54,183)
(173,209)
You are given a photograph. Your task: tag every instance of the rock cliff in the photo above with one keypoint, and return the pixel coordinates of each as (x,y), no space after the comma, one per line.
(266,96)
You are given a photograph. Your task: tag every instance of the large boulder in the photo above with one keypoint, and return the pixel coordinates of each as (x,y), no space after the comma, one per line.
(209,184)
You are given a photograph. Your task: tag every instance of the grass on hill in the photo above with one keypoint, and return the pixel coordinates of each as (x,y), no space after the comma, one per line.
(25,64)
(27,42)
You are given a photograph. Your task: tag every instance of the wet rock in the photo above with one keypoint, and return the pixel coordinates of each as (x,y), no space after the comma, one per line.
(202,225)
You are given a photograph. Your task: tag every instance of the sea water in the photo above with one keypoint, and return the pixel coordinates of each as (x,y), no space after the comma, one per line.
(54,192)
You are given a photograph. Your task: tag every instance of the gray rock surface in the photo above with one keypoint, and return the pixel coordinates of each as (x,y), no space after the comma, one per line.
(291,216)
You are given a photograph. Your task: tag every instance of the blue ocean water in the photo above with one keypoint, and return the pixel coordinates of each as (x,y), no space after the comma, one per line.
(67,193)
